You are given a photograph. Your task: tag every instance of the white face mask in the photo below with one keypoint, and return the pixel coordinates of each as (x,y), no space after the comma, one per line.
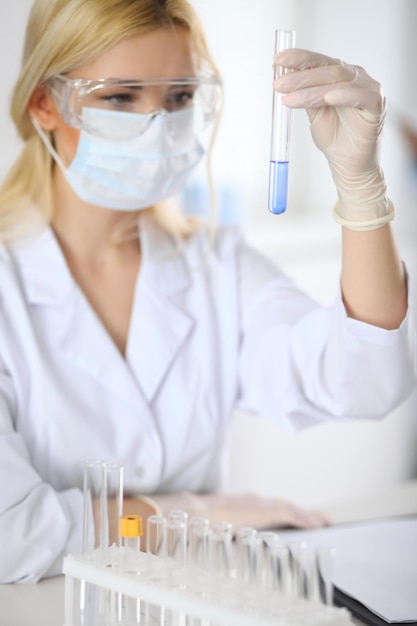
(131,174)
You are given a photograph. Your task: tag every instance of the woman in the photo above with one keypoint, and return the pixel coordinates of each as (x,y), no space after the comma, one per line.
(129,332)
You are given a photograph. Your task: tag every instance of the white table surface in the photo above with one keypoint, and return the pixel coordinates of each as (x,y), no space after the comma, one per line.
(43,604)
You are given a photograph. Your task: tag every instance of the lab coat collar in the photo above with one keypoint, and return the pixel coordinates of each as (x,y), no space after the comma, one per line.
(41,261)
(158,325)
(46,276)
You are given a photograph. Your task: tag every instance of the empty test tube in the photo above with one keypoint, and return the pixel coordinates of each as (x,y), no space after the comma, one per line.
(197,556)
(178,514)
(267,541)
(156,535)
(114,502)
(103,499)
(177,540)
(94,505)
(279,570)
(280,135)
(198,531)
(177,526)
(156,543)
(177,551)
(314,590)
(246,553)
(220,548)
(298,559)
(94,536)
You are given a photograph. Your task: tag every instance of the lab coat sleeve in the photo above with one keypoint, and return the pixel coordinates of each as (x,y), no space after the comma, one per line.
(37,524)
(301,363)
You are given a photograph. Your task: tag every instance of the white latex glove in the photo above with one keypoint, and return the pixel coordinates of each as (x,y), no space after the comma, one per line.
(346,109)
(242,510)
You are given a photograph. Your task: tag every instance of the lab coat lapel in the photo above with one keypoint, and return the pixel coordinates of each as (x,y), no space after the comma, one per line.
(88,344)
(73,326)
(159,325)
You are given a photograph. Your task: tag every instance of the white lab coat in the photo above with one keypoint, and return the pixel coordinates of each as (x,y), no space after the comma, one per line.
(211,329)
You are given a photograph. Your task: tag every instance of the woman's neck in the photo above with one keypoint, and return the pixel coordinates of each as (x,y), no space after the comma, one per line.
(85,231)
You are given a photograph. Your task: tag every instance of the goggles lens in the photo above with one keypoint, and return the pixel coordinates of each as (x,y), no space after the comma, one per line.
(77,100)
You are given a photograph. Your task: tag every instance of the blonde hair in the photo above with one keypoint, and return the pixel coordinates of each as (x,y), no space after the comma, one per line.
(60,36)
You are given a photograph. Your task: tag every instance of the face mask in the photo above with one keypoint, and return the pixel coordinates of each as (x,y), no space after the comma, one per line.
(131,174)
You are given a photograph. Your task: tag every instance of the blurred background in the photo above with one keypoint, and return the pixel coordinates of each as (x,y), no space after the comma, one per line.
(331,462)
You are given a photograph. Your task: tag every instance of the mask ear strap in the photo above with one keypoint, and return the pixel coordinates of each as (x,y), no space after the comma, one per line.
(54,154)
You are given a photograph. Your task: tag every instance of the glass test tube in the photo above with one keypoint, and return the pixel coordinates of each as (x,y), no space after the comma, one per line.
(114,502)
(197,556)
(246,553)
(156,535)
(280,134)
(110,601)
(278,569)
(179,515)
(267,541)
(103,496)
(94,525)
(94,488)
(221,548)
(199,530)
(314,592)
(177,551)
(177,526)
(298,558)
(130,531)
(156,543)
(177,540)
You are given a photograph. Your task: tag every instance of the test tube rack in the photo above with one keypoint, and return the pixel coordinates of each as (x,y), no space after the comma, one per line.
(177,594)
(193,573)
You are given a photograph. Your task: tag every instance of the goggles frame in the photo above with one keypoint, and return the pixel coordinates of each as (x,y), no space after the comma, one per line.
(69,94)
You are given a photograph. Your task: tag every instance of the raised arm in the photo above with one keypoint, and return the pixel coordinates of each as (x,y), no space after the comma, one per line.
(346,109)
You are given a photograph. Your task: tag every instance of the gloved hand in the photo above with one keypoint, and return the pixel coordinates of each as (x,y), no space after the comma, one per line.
(242,510)
(346,109)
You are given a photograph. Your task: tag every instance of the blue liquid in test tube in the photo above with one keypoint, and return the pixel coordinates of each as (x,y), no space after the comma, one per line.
(280,136)
(278,186)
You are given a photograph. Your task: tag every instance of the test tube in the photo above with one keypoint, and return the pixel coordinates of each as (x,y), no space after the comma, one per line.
(177,551)
(279,570)
(130,531)
(298,558)
(198,541)
(94,533)
(178,515)
(280,134)
(156,535)
(246,553)
(267,541)
(220,548)
(114,502)
(177,540)
(94,488)
(314,591)
(156,543)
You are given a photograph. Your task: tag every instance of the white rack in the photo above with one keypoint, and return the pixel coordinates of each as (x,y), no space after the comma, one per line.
(171,593)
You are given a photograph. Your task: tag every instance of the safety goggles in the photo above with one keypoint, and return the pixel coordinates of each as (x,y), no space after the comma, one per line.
(78,99)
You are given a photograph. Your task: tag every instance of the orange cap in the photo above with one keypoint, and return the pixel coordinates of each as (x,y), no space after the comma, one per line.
(130,526)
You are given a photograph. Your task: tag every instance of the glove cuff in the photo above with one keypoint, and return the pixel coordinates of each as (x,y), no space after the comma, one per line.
(362,200)
(371,224)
